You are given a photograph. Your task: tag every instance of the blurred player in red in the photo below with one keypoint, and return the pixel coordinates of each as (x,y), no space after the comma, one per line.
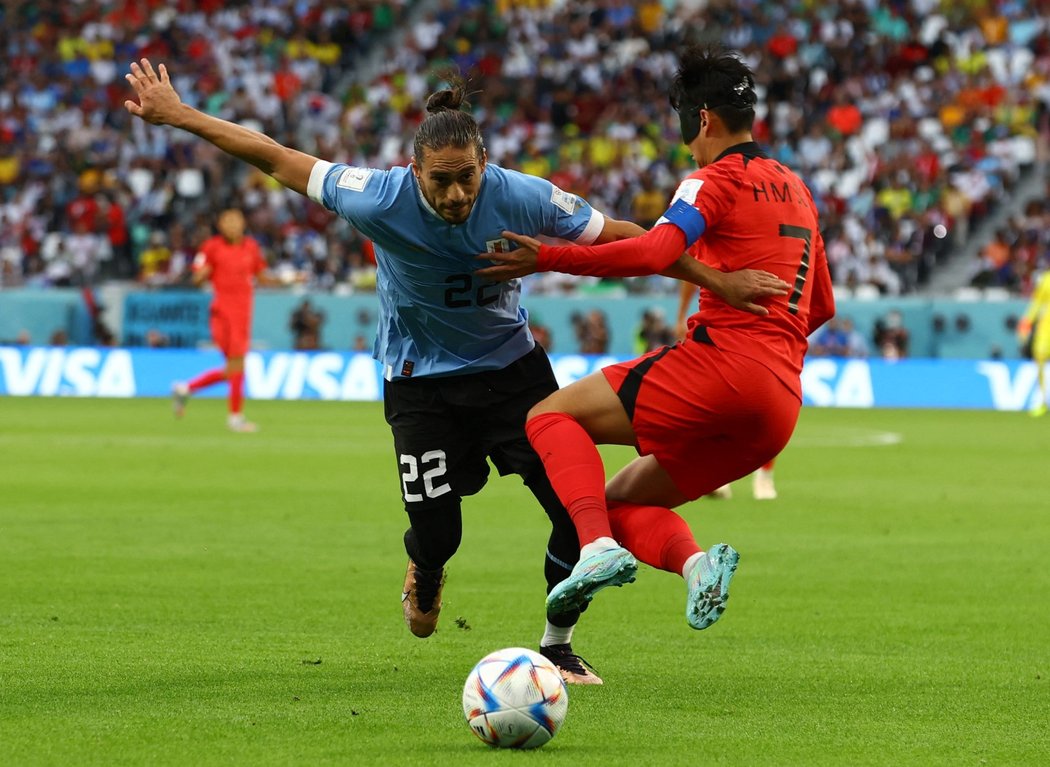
(232,262)
(713,408)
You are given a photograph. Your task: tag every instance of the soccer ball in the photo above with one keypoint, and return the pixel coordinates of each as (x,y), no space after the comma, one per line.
(515,698)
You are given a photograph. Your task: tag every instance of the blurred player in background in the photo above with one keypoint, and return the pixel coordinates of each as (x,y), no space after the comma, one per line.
(1035,327)
(762,486)
(461,368)
(716,406)
(233,263)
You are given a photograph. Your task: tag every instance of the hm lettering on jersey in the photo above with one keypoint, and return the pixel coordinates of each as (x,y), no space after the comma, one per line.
(789,192)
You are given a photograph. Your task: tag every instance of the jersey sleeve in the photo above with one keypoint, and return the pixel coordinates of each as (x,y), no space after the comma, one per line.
(702,200)
(204,256)
(650,253)
(556,213)
(258,259)
(1040,302)
(822,301)
(353,193)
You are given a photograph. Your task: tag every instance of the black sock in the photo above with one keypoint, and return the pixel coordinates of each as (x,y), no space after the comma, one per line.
(435,534)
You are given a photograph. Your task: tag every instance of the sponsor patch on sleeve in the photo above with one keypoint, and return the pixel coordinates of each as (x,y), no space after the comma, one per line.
(688,190)
(564,200)
(354,178)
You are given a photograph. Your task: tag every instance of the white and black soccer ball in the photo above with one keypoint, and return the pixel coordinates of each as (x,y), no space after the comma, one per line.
(515,698)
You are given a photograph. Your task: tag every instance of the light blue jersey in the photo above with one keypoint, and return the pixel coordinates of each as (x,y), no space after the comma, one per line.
(436,318)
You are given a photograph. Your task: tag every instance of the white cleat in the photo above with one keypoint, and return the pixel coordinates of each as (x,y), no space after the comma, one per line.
(725,493)
(763,487)
(237,423)
(180,395)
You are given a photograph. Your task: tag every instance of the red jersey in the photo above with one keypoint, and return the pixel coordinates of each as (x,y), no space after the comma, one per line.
(743,211)
(759,215)
(233,270)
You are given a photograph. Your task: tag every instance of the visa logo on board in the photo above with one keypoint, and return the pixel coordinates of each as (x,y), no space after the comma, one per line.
(1011,392)
(828,382)
(323,375)
(79,372)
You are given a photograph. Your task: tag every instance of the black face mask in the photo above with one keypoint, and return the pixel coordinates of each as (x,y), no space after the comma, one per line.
(688,119)
(689,122)
(741,97)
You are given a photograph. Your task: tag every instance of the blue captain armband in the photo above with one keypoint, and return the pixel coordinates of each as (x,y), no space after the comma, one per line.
(685,217)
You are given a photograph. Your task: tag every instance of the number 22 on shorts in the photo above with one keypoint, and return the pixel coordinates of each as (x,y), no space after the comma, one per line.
(433,464)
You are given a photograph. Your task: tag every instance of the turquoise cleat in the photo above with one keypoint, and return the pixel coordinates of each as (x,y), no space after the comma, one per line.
(708,584)
(612,567)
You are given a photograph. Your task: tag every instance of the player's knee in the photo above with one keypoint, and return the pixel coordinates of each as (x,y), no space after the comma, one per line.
(540,408)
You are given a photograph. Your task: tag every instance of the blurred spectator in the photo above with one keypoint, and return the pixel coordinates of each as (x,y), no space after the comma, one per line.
(155,261)
(891,337)
(995,262)
(156,339)
(592,332)
(838,338)
(542,334)
(22,339)
(649,202)
(306,325)
(654,332)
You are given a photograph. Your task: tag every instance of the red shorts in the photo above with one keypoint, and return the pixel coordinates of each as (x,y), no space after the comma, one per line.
(231,331)
(708,417)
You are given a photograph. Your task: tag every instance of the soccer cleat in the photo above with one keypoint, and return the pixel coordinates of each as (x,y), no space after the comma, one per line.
(180,395)
(708,584)
(421,599)
(612,567)
(1038,410)
(762,485)
(573,668)
(237,424)
(725,493)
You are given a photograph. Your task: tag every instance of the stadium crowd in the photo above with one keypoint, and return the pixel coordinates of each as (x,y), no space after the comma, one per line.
(910,120)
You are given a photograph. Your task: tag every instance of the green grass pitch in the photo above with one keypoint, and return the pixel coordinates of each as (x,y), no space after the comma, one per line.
(171,593)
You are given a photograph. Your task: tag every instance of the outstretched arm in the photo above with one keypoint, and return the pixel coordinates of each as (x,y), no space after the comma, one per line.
(659,251)
(615,230)
(159,104)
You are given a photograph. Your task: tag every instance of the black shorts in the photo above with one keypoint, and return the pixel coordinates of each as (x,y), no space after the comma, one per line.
(445,428)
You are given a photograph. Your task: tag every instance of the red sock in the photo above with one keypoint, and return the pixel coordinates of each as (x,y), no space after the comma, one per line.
(236,392)
(207,379)
(575,470)
(655,535)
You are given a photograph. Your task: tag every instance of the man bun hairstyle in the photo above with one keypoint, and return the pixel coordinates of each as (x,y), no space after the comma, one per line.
(712,78)
(446,124)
